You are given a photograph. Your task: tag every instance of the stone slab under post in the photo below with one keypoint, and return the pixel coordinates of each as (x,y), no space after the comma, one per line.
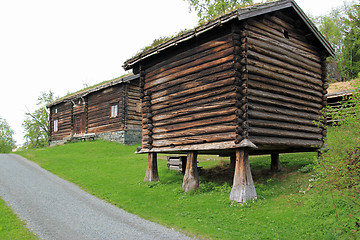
(275,162)
(243,187)
(151,174)
(191,176)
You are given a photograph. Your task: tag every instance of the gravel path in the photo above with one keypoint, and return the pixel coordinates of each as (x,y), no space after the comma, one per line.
(56,209)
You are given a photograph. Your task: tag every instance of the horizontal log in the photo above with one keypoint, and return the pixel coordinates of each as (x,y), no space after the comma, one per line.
(256,41)
(199,139)
(280,118)
(198,147)
(216,72)
(222,94)
(284,72)
(256,131)
(189,71)
(283,91)
(179,85)
(281,125)
(191,61)
(190,132)
(286,85)
(285,142)
(200,122)
(189,114)
(188,92)
(286,65)
(273,75)
(190,52)
(290,44)
(286,99)
(290,50)
(283,111)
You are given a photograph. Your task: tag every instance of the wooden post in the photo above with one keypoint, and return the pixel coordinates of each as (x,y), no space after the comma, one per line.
(151,174)
(191,177)
(275,162)
(243,187)
(232,162)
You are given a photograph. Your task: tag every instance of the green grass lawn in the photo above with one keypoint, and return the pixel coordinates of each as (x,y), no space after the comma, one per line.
(11,227)
(288,207)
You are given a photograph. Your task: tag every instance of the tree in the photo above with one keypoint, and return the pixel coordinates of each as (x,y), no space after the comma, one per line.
(7,143)
(342,28)
(209,9)
(37,124)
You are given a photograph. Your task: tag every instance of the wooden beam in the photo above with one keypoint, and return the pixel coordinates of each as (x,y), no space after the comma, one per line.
(151,174)
(243,187)
(191,177)
(232,162)
(275,162)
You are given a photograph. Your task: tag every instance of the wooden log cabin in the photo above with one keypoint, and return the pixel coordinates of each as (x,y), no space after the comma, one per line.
(338,97)
(249,82)
(110,111)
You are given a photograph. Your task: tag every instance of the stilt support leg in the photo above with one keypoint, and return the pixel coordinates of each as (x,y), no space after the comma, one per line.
(232,162)
(243,187)
(275,162)
(191,176)
(151,174)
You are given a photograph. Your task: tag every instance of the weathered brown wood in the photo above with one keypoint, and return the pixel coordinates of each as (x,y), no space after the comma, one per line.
(190,62)
(267,44)
(294,51)
(151,174)
(232,162)
(283,91)
(285,142)
(282,125)
(275,165)
(193,52)
(286,85)
(283,98)
(284,111)
(284,72)
(256,131)
(302,47)
(185,72)
(280,118)
(243,185)
(191,176)
(271,60)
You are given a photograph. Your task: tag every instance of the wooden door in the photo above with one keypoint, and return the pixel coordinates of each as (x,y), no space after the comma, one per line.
(79,123)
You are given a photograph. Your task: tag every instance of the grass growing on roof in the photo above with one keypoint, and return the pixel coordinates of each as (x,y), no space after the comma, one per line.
(287,206)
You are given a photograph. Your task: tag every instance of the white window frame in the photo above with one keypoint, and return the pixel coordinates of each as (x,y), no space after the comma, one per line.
(114,110)
(56,125)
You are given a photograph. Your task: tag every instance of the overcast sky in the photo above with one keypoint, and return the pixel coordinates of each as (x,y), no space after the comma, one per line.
(63,45)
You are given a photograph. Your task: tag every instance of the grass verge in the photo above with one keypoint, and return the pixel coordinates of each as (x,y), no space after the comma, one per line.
(11,227)
(288,206)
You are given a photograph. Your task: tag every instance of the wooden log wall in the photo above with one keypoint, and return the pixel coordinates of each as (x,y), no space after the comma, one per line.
(64,117)
(99,110)
(133,119)
(286,83)
(189,98)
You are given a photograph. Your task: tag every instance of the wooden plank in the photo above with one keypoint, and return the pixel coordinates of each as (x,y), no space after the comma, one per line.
(279,118)
(285,142)
(256,131)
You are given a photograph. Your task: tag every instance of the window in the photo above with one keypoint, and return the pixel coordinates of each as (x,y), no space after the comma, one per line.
(114,110)
(56,122)
(56,111)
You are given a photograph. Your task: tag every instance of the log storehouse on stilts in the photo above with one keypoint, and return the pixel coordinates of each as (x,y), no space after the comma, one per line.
(110,111)
(252,81)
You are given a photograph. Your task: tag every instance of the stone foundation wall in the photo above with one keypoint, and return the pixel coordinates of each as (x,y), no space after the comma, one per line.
(127,137)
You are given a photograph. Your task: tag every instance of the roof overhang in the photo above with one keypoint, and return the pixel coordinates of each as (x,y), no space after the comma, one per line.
(240,14)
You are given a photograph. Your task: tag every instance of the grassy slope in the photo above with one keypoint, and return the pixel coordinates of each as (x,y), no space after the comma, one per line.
(287,208)
(10,226)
